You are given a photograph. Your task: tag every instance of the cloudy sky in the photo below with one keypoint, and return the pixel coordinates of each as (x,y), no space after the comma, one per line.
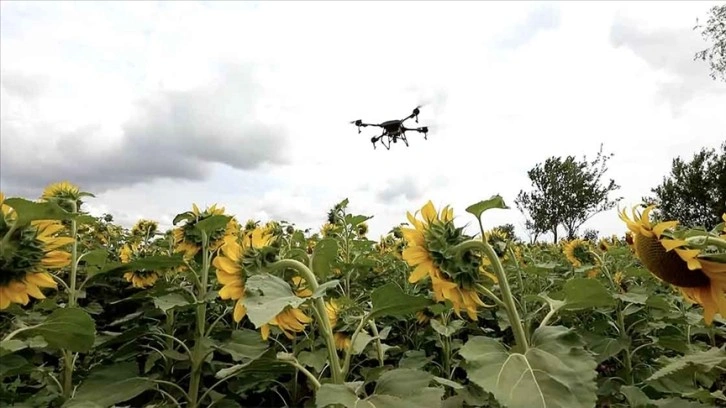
(155,106)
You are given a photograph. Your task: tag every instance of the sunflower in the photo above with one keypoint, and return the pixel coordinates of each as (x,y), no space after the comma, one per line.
(699,279)
(332,309)
(189,241)
(327,230)
(289,320)
(300,287)
(342,341)
(27,255)
(230,269)
(361,229)
(451,279)
(498,240)
(138,278)
(604,245)
(63,193)
(578,253)
(144,228)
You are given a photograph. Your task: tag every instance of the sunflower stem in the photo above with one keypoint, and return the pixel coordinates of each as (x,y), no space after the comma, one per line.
(198,354)
(353,337)
(68,358)
(379,345)
(326,329)
(293,362)
(520,337)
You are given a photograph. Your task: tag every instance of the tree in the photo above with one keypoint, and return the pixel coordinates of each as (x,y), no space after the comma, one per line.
(695,192)
(715,30)
(507,230)
(566,193)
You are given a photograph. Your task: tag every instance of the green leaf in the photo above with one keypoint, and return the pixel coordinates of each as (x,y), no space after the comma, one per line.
(320,291)
(212,223)
(324,254)
(171,301)
(343,394)
(96,257)
(244,345)
(268,295)
(494,202)
(402,382)
(30,211)
(606,347)
(555,371)
(111,384)
(583,293)
(13,364)
(316,359)
(414,359)
(390,300)
(448,330)
(636,398)
(676,376)
(361,341)
(69,328)
(149,263)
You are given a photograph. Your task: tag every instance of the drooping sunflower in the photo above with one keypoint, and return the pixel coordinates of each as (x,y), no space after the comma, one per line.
(699,279)
(138,278)
(452,278)
(230,265)
(332,309)
(28,256)
(290,320)
(498,240)
(578,253)
(189,241)
(342,341)
(144,228)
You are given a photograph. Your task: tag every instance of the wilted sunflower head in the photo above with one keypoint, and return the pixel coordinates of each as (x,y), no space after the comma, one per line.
(578,253)
(188,239)
(30,252)
(64,193)
(144,228)
(700,278)
(604,245)
(429,251)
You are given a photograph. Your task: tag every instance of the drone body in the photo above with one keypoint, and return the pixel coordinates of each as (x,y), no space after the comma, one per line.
(393,129)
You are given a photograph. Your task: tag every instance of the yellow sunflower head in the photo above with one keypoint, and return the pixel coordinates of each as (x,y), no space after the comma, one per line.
(64,193)
(604,245)
(27,256)
(328,230)
(578,253)
(237,255)
(188,239)
(290,320)
(428,251)
(342,341)
(332,308)
(700,278)
(139,278)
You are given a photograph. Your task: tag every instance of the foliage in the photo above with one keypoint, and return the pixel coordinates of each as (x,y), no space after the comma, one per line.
(694,192)
(567,192)
(715,31)
(549,334)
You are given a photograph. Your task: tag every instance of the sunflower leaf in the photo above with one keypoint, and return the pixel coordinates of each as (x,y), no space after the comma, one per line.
(110,385)
(390,300)
(149,263)
(555,361)
(212,223)
(494,202)
(30,211)
(69,328)
(268,295)
(324,255)
(584,293)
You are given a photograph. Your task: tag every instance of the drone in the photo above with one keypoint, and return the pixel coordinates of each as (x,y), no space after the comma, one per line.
(393,129)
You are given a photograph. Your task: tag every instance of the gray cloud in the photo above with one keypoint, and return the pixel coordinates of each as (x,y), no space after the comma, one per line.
(176,135)
(542,18)
(406,187)
(672,51)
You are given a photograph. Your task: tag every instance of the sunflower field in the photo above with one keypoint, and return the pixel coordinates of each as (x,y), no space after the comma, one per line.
(223,312)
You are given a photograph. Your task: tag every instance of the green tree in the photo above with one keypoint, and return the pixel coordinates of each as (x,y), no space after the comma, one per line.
(567,192)
(714,31)
(694,193)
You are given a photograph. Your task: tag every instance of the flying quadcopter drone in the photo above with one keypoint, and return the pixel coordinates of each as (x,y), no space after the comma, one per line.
(393,129)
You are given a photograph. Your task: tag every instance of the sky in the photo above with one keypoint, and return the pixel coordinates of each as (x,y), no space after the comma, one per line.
(153,106)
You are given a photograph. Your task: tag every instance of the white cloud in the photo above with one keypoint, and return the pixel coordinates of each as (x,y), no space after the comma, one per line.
(506,86)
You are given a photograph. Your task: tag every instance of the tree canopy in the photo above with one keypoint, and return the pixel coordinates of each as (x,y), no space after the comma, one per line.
(567,192)
(694,193)
(714,31)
